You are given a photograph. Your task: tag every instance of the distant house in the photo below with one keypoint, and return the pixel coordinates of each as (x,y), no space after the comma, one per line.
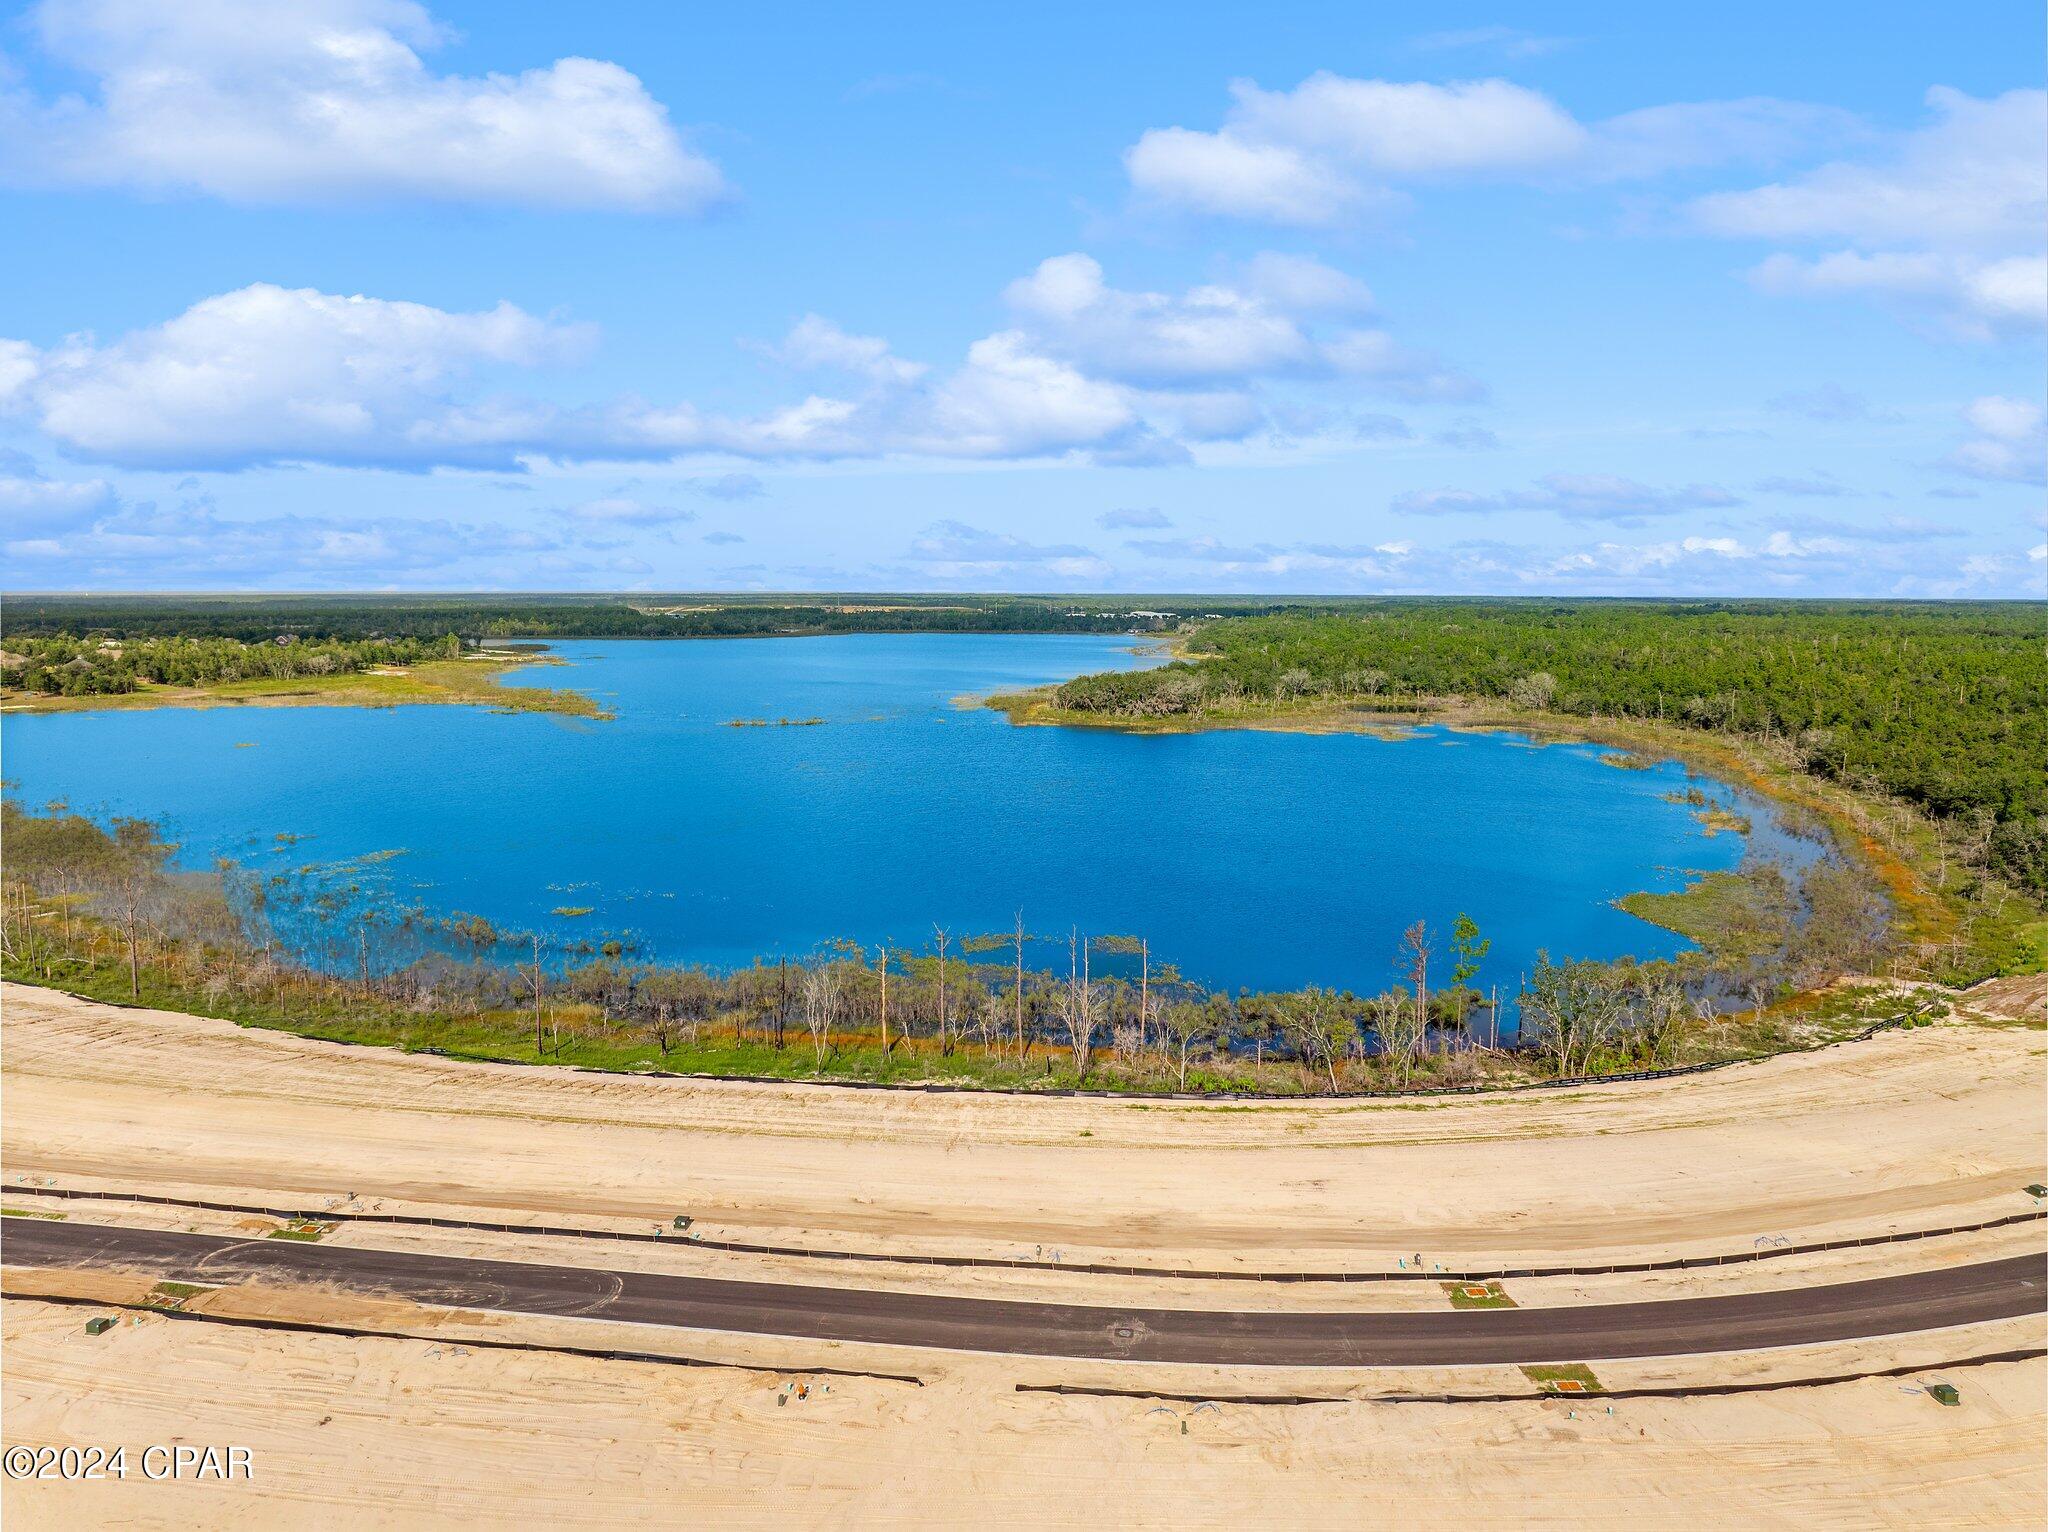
(12,661)
(287,638)
(81,663)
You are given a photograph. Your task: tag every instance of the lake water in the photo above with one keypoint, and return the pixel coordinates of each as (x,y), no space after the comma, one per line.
(1254,859)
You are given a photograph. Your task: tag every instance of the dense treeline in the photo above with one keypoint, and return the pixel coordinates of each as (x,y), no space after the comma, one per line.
(1943,705)
(68,666)
(103,910)
(253,619)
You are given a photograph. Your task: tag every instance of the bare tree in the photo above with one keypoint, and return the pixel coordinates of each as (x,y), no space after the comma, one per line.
(820,988)
(1399,1027)
(945,1040)
(1318,1027)
(1660,1016)
(1186,1026)
(882,968)
(1080,1004)
(1017,987)
(1412,958)
(536,978)
(1572,1010)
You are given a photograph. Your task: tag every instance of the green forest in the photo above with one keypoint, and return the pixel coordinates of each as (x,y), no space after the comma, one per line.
(71,666)
(1943,705)
(258,619)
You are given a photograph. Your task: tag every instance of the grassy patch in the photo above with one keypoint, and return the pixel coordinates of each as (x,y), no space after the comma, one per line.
(32,1213)
(1624,760)
(1718,821)
(305,1229)
(468,681)
(1725,912)
(1571,1378)
(1478,1295)
(173,1295)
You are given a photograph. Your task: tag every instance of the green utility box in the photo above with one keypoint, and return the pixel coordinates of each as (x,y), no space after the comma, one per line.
(2037,1190)
(98,1326)
(682,1220)
(1944,1393)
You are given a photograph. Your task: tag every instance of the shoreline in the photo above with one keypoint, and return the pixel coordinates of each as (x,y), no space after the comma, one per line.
(475,680)
(1924,918)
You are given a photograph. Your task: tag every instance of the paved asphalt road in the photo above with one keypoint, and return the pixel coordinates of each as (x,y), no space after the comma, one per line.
(1924,1300)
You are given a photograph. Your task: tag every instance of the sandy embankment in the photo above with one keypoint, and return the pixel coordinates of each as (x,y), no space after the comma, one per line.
(1922,1129)
(376,1432)
(1938,1126)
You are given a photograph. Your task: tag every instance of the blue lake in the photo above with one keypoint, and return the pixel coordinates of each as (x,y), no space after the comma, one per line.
(1249,858)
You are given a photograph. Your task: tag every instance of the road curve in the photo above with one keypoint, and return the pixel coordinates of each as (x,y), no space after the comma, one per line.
(1925,1300)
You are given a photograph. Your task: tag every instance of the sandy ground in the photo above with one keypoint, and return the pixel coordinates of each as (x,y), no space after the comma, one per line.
(426,1425)
(1918,1129)
(383,1432)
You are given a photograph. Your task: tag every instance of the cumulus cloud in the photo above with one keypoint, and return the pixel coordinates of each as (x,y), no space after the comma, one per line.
(1335,147)
(269,375)
(815,342)
(1948,217)
(2008,441)
(330,101)
(1221,333)
(1584,496)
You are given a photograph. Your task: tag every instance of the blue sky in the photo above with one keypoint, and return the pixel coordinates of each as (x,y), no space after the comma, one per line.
(1562,299)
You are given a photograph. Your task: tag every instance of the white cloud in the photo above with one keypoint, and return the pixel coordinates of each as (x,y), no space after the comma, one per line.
(33,506)
(1285,563)
(1584,496)
(1297,284)
(1982,296)
(1691,135)
(1222,174)
(1974,175)
(1209,333)
(270,374)
(814,342)
(954,550)
(191,545)
(1334,147)
(1950,217)
(1410,129)
(2010,441)
(330,101)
